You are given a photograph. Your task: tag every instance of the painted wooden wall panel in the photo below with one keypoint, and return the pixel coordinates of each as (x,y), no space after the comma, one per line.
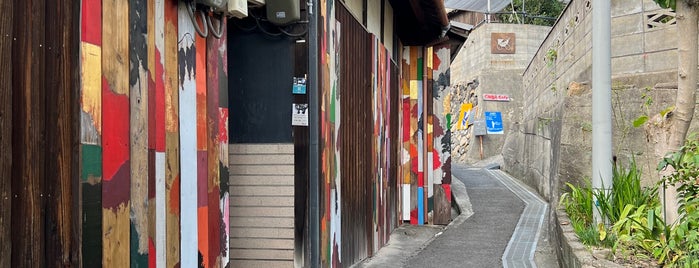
(28,131)
(91,132)
(188,138)
(442,134)
(138,130)
(213,182)
(150,47)
(221,48)
(158,74)
(172,139)
(116,138)
(6,20)
(202,153)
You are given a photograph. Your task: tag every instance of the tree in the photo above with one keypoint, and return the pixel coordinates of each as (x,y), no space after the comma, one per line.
(538,12)
(670,131)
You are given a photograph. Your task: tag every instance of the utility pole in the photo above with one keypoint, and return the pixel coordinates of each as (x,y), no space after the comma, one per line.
(601,101)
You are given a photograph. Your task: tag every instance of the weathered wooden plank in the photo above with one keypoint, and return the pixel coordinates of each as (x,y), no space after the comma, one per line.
(172,140)
(28,123)
(158,75)
(287,233)
(262,222)
(256,243)
(91,129)
(254,159)
(115,138)
(262,169)
(188,137)
(61,133)
(6,25)
(267,254)
(214,148)
(265,201)
(263,211)
(151,213)
(262,191)
(254,180)
(138,121)
(202,153)
(266,264)
(222,62)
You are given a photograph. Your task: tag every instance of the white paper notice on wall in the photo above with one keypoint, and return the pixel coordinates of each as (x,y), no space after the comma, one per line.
(299,114)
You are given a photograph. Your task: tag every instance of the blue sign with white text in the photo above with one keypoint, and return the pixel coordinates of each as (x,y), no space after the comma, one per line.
(493,122)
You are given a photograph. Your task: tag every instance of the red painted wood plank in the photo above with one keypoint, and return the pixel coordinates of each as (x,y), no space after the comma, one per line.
(115,138)
(213,69)
(202,154)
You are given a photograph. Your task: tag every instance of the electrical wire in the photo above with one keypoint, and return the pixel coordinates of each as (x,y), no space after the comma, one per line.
(216,33)
(190,10)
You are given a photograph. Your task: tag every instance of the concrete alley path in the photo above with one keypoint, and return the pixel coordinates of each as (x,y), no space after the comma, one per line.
(500,221)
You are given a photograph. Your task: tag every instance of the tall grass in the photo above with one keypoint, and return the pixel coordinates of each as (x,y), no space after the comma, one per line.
(626,189)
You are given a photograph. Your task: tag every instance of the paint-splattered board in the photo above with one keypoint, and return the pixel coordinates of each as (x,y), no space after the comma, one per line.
(115,138)
(172,138)
(91,132)
(138,131)
(188,138)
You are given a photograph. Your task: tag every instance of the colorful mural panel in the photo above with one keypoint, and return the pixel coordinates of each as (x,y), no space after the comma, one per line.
(146,118)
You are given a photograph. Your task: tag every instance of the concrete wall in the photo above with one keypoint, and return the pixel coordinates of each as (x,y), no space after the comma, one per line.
(551,144)
(477,71)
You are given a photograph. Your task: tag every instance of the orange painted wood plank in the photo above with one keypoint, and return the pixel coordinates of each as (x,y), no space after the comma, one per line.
(202,154)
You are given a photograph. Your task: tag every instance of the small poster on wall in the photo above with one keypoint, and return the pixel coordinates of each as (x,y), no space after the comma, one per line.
(299,85)
(299,114)
(493,122)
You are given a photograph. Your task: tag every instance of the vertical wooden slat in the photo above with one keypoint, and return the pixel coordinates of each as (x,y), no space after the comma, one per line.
(138,121)
(222,63)
(91,132)
(151,214)
(214,66)
(202,154)
(172,138)
(115,138)
(160,139)
(6,26)
(60,34)
(188,137)
(28,118)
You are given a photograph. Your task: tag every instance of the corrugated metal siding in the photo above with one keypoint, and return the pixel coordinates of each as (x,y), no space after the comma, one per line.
(355,137)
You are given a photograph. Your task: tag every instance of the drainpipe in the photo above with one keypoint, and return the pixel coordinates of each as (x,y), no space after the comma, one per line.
(314,160)
(601,101)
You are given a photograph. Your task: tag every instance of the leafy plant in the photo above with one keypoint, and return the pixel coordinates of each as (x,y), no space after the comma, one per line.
(684,238)
(538,12)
